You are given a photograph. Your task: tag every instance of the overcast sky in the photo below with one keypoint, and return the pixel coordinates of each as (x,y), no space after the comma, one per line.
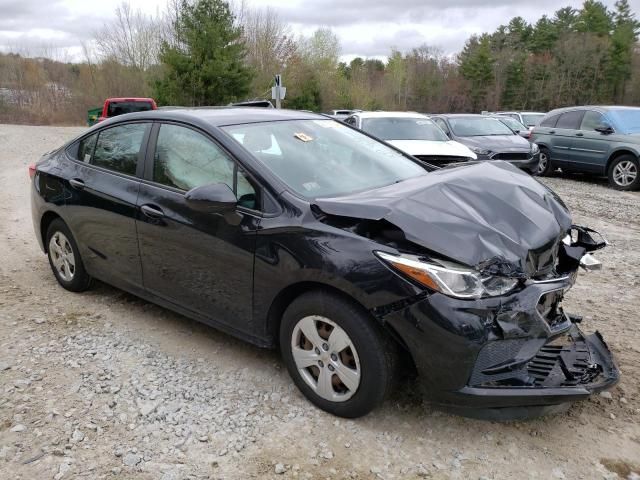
(365,27)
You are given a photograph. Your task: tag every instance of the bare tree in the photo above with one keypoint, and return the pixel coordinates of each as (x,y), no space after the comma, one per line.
(132,38)
(269,42)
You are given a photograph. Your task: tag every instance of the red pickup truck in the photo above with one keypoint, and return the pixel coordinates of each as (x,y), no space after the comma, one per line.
(118,106)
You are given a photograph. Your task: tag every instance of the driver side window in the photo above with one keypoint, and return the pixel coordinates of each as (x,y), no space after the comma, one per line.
(185,159)
(591,120)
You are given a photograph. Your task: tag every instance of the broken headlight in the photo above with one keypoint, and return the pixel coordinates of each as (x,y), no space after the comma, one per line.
(453,280)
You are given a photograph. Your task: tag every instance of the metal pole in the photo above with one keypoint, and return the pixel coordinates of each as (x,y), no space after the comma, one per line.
(278,100)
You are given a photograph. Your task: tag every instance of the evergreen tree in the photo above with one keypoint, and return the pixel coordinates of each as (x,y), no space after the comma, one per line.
(205,65)
(623,39)
(565,20)
(594,18)
(476,66)
(544,35)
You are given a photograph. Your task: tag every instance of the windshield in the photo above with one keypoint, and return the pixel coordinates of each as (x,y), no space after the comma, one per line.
(120,108)
(513,124)
(532,119)
(390,128)
(626,120)
(323,158)
(478,126)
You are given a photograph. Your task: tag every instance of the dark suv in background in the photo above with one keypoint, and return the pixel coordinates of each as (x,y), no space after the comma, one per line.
(599,140)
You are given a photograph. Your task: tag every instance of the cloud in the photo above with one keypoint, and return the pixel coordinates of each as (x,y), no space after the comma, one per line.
(350,12)
(364,27)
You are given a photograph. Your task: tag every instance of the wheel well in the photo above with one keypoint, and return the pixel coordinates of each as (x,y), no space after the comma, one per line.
(289,294)
(46,220)
(617,154)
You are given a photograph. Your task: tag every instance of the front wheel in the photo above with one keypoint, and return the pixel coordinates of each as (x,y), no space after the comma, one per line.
(337,356)
(624,173)
(544,163)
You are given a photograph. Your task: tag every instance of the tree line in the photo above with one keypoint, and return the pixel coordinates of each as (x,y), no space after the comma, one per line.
(208,52)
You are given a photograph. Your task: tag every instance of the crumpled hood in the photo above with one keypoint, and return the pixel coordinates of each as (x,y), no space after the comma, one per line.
(498,143)
(482,215)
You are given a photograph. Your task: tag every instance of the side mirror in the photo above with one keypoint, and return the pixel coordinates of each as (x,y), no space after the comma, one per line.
(605,129)
(212,198)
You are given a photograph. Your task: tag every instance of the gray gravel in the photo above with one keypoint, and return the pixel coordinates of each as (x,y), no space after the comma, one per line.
(104,385)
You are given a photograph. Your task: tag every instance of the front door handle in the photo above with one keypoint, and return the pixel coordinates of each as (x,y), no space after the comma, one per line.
(152,212)
(579,134)
(552,132)
(76,183)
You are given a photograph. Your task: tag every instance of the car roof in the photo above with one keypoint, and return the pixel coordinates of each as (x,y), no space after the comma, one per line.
(522,112)
(390,115)
(129,99)
(602,108)
(219,116)
(462,115)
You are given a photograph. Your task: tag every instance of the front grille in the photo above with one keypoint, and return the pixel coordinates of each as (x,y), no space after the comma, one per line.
(441,159)
(511,156)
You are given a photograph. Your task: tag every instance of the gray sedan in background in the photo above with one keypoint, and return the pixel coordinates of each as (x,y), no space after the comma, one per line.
(489,139)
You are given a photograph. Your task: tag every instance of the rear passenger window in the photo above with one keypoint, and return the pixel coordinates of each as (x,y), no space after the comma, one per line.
(550,121)
(118,148)
(85,148)
(591,120)
(570,120)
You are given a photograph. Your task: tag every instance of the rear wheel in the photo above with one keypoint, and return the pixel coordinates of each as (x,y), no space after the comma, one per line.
(624,173)
(64,258)
(337,356)
(544,163)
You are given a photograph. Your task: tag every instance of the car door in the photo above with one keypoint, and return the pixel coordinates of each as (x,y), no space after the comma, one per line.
(563,135)
(590,149)
(202,262)
(103,186)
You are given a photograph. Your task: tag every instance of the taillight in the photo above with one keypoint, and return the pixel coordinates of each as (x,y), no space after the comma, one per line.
(32,170)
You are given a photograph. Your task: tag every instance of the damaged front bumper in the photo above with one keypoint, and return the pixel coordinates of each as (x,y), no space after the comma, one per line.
(567,368)
(511,357)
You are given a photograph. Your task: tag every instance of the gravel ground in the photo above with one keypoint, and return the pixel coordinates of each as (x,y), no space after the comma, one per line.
(105,385)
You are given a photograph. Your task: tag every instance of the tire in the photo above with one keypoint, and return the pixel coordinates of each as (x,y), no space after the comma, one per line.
(359,349)
(624,173)
(545,167)
(64,258)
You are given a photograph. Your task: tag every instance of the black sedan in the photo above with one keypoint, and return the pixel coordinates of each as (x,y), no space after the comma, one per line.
(292,230)
(490,139)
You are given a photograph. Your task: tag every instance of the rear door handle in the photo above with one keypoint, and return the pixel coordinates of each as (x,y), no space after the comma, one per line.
(579,134)
(77,184)
(552,132)
(152,212)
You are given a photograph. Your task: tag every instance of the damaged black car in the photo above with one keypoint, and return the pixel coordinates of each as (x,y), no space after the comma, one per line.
(292,230)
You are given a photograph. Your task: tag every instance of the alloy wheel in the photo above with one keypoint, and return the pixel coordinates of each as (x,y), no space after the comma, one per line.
(542,162)
(625,173)
(326,358)
(62,256)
